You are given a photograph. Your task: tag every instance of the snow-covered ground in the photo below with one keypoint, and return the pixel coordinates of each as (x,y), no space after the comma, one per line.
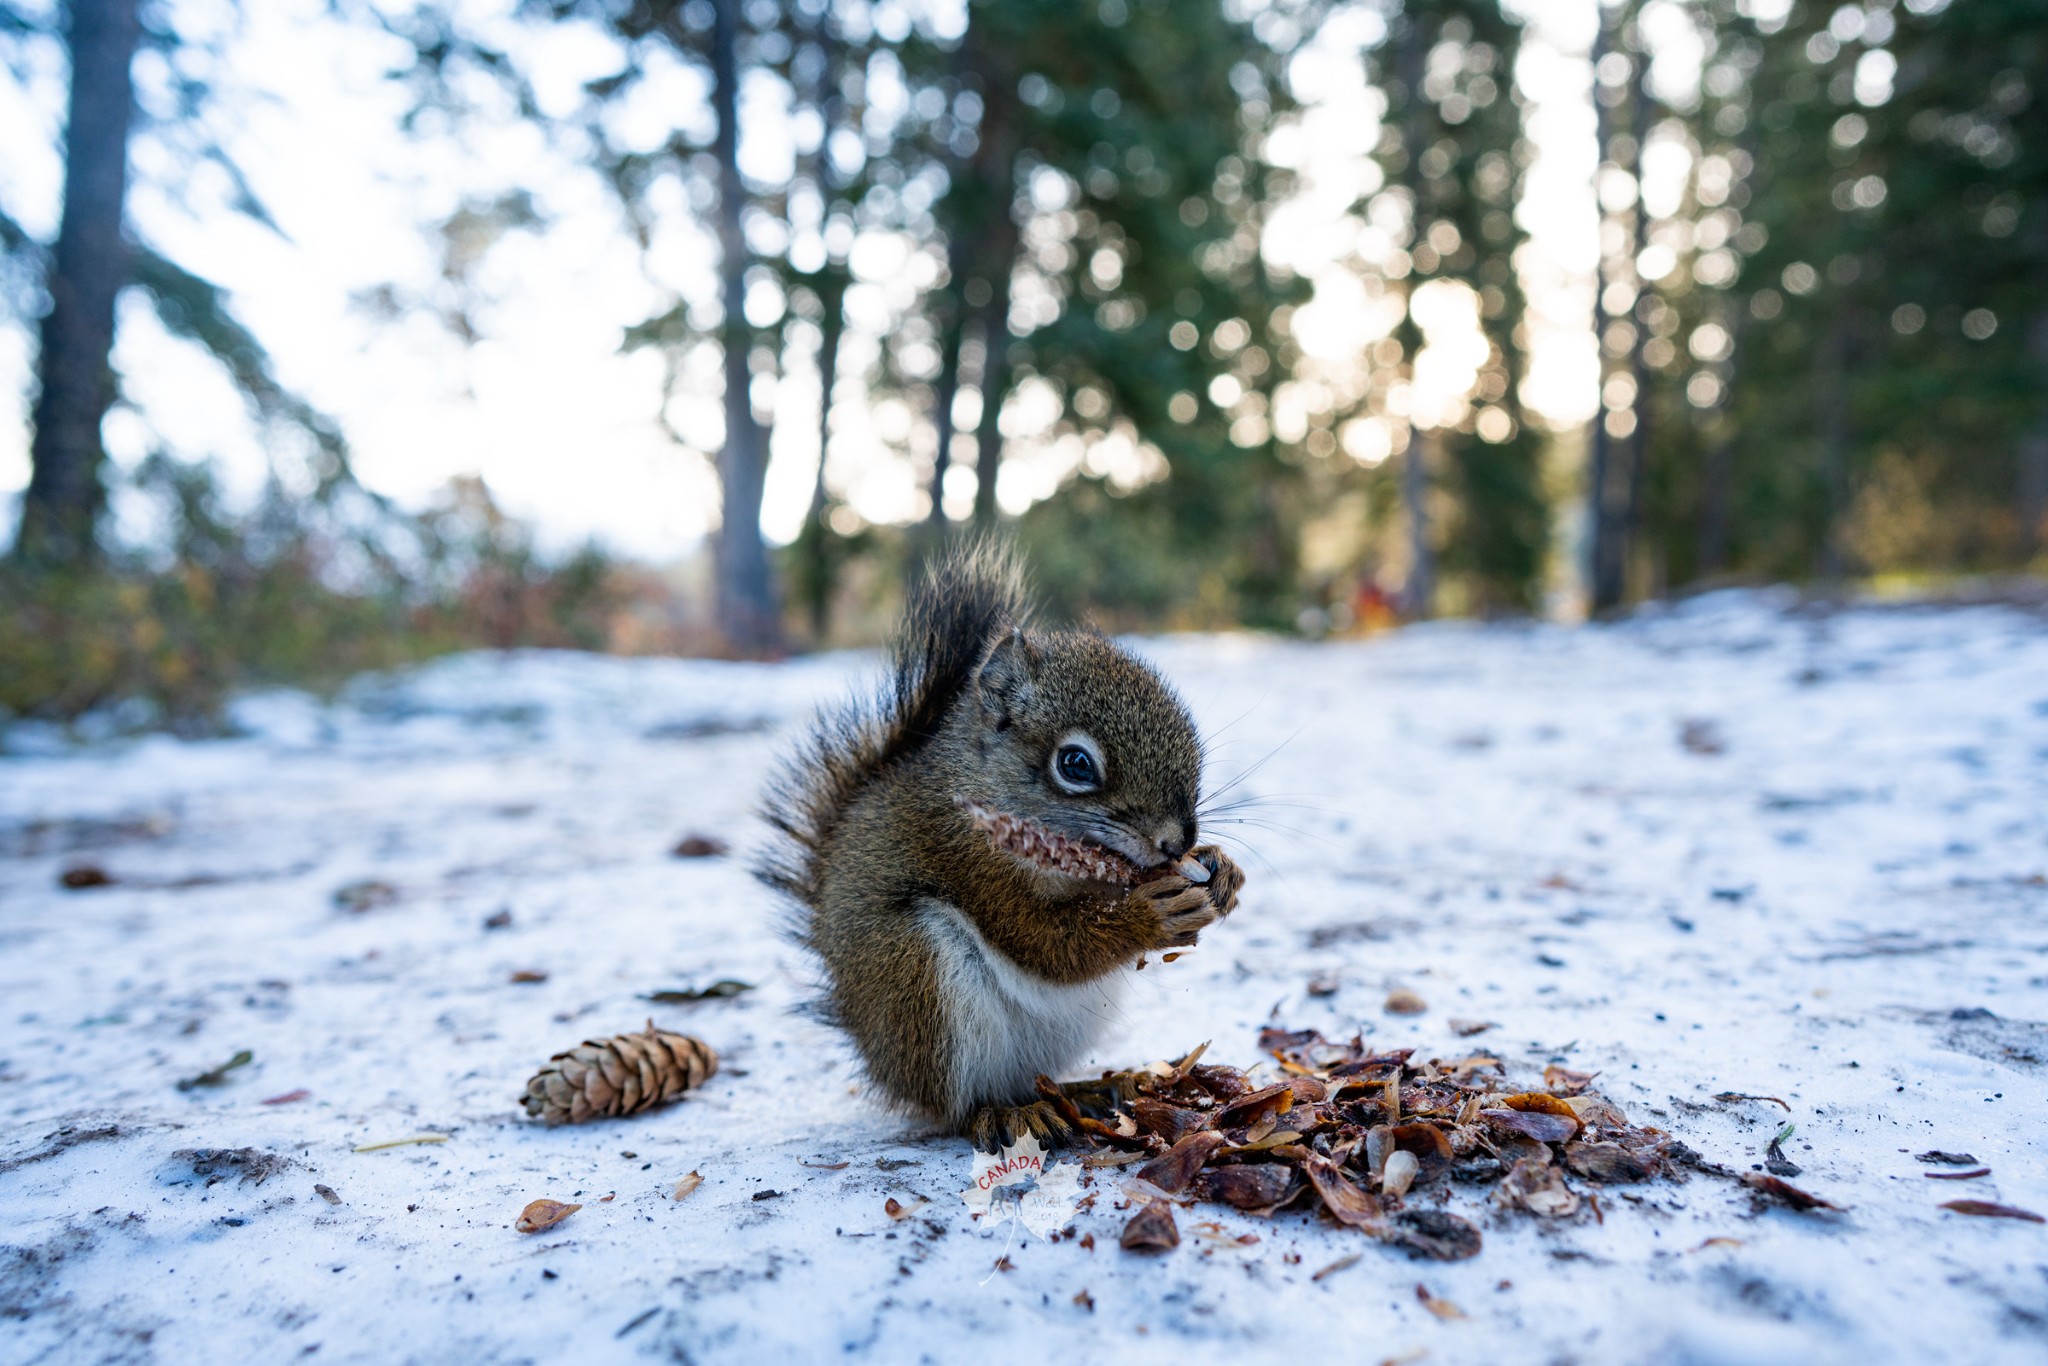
(1845,908)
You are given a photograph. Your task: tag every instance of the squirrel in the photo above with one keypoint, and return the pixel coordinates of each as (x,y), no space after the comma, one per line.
(977,853)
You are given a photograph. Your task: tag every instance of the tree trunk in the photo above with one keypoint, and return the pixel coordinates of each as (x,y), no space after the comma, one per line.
(61,509)
(748,615)
(813,543)
(995,386)
(1420,590)
(831,328)
(1599,446)
(999,134)
(1630,515)
(814,546)
(952,333)
(1615,495)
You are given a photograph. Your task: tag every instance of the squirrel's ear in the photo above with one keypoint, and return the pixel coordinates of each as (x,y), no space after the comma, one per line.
(1004,683)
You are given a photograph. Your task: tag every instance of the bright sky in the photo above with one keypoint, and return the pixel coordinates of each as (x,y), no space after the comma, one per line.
(567,431)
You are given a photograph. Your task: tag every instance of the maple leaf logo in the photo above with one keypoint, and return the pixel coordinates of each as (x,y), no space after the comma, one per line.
(1015,1186)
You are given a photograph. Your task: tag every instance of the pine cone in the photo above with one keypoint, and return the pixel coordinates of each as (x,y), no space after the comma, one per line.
(618,1076)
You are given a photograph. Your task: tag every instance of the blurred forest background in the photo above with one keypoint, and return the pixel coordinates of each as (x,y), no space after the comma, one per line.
(1051,265)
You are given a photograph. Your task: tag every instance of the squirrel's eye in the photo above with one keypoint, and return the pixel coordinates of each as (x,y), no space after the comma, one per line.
(1075,768)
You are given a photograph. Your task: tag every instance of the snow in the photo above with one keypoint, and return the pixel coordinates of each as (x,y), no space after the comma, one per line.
(1844,908)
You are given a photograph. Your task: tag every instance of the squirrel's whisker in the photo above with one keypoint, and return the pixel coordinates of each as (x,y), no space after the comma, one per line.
(1268,758)
(1256,801)
(1278,829)
(1212,736)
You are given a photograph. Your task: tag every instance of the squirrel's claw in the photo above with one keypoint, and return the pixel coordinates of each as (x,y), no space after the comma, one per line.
(1182,931)
(995,1127)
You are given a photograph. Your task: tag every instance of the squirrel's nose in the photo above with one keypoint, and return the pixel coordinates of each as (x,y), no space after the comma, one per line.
(1178,842)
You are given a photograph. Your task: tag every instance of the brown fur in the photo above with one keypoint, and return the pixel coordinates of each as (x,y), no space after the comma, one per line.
(874,827)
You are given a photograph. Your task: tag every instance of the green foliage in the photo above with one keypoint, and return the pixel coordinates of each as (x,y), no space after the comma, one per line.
(1143,120)
(1496,546)
(1885,407)
(276,598)
(1119,561)
(1845,369)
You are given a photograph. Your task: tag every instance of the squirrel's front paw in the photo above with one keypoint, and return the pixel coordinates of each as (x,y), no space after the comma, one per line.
(1179,909)
(1225,877)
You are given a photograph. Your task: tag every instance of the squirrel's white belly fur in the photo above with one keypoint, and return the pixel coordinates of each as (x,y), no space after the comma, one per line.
(1008,1026)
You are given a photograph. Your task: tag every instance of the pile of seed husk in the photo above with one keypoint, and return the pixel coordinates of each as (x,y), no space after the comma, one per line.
(1375,1138)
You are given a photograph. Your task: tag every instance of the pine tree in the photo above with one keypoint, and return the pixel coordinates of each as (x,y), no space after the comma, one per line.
(1108,172)
(1453,154)
(97,254)
(1889,377)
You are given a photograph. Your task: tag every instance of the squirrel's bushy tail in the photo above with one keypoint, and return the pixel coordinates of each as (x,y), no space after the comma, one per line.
(968,595)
